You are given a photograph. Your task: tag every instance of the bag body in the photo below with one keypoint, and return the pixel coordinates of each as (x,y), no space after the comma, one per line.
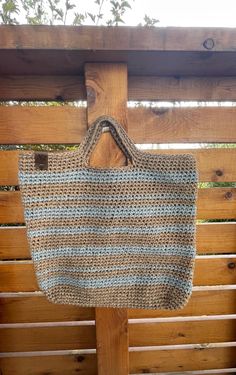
(111,237)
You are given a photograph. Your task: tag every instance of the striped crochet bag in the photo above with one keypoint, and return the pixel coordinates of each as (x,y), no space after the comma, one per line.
(112,237)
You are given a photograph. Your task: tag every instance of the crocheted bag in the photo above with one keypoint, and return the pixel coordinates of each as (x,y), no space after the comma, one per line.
(112,237)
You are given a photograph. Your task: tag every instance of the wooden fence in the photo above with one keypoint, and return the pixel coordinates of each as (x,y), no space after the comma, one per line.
(107,67)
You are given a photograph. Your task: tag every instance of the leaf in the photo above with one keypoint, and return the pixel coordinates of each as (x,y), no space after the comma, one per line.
(59,12)
(126,4)
(92,16)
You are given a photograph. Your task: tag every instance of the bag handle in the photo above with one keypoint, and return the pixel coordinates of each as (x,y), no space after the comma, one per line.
(118,133)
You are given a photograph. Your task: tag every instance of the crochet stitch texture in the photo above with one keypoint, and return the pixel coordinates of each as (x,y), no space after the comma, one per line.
(112,237)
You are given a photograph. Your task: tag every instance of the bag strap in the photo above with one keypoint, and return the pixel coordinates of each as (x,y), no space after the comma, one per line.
(118,133)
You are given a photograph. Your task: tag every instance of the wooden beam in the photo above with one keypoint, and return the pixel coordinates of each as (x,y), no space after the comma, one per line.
(192,51)
(112,38)
(106,86)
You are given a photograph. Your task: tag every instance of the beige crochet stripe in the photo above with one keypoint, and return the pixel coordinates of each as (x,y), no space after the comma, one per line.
(98,188)
(184,275)
(114,239)
(146,297)
(127,221)
(95,203)
(116,260)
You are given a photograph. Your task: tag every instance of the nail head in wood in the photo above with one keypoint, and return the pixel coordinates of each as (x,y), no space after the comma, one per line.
(208,43)
(219,172)
(231,265)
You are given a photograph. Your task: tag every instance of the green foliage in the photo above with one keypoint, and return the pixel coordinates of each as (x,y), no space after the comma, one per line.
(118,9)
(148,21)
(65,12)
(9,11)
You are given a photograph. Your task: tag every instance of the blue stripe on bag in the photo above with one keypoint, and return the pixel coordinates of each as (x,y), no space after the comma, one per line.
(164,250)
(114,197)
(83,175)
(116,281)
(104,211)
(64,231)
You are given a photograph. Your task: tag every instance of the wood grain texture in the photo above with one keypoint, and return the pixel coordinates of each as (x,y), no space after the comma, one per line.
(182,88)
(140,362)
(67,124)
(212,203)
(54,365)
(216,203)
(37,87)
(39,309)
(11,208)
(19,276)
(106,86)
(22,125)
(209,302)
(34,309)
(182,125)
(211,238)
(14,243)
(126,38)
(182,360)
(151,334)
(148,334)
(214,164)
(47,338)
(72,87)
(190,51)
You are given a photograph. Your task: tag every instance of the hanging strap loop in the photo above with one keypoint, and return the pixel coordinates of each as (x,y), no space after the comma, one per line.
(118,133)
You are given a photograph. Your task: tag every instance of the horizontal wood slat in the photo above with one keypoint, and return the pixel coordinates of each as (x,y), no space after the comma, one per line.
(19,276)
(215,238)
(182,88)
(11,208)
(140,362)
(53,87)
(39,309)
(212,203)
(18,126)
(67,124)
(214,164)
(182,360)
(211,238)
(47,338)
(182,125)
(200,303)
(84,364)
(14,243)
(216,203)
(149,334)
(24,309)
(40,87)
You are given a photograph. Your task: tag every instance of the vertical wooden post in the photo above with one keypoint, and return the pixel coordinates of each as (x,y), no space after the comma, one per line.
(106,86)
